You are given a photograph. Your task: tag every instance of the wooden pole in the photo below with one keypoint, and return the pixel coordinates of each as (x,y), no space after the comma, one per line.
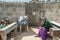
(4,37)
(27,28)
(54,38)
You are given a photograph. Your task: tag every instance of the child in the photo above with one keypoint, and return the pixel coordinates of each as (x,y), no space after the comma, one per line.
(47,25)
(2,24)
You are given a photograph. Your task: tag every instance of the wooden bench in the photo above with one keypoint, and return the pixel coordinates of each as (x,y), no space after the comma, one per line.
(55,31)
(7,29)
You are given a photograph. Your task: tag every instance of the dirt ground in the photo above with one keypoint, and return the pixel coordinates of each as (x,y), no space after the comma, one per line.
(26,35)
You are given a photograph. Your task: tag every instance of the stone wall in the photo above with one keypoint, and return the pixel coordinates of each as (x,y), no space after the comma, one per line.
(12,10)
(32,10)
(52,11)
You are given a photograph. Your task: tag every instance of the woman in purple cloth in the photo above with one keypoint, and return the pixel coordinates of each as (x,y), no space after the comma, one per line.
(42,31)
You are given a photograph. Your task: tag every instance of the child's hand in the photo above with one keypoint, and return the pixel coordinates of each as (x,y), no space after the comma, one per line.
(40,27)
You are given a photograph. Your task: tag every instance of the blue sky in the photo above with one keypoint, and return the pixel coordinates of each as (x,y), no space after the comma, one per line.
(16,0)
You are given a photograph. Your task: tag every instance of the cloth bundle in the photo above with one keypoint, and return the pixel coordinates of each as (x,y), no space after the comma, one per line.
(23,20)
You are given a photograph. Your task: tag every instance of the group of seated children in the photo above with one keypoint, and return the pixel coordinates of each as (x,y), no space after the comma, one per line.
(4,23)
(44,28)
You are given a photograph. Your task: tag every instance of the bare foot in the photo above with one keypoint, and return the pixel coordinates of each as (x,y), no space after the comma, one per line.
(36,36)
